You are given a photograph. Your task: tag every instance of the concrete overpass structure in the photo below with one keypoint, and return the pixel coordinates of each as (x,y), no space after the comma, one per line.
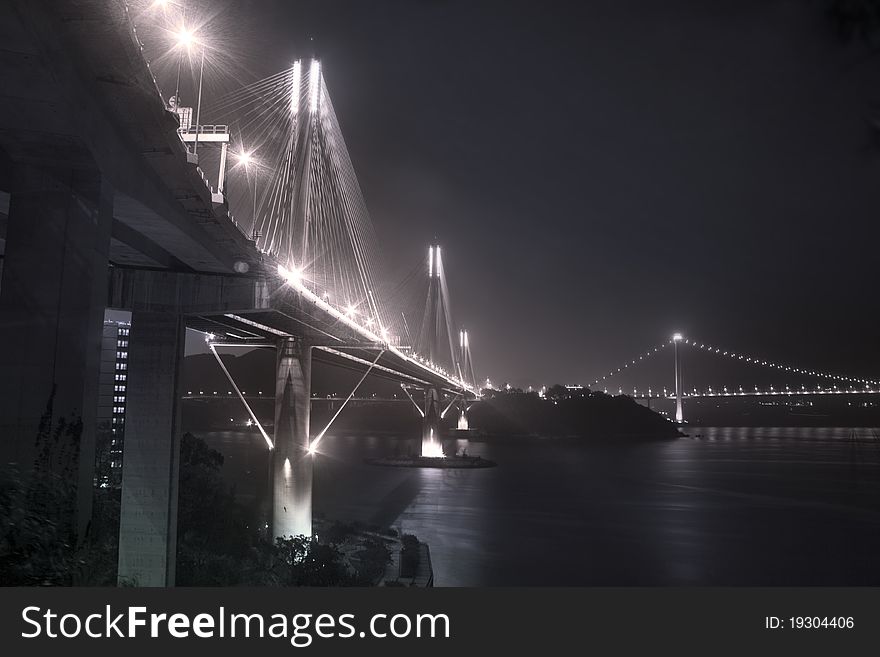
(102,205)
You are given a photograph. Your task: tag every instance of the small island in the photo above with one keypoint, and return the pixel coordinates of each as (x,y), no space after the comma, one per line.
(567,413)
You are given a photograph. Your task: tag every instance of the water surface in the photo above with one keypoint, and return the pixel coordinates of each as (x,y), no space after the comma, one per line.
(780,506)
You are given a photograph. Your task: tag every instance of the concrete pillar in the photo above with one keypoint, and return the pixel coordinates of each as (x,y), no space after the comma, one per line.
(51,312)
(431,424)
(151,462)
(292,465)
(462,419)
(679,414)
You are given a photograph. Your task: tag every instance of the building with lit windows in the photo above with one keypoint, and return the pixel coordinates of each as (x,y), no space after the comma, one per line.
(112,385)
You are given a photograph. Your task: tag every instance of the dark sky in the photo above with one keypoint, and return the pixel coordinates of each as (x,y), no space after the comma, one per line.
(603,173)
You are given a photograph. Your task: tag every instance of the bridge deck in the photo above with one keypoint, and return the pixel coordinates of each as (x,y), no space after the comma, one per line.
(295,311)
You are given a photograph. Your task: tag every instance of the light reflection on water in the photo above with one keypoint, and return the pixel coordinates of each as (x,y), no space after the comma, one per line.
(726,506)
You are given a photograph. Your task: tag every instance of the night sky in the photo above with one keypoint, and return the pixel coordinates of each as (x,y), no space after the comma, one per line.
(603,173)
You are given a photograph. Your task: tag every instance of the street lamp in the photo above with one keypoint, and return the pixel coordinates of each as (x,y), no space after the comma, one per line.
(186,39)
(199,103)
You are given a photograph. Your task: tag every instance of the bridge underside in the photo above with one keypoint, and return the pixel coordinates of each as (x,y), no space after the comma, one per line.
(268,326)
(241,311)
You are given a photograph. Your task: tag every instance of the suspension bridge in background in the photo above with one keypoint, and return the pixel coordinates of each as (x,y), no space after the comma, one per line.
(809,382)
(119,196)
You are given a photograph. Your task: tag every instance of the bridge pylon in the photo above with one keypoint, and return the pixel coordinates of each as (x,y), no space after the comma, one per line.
(431,445)
(679,414)
(463,424)
(292,464)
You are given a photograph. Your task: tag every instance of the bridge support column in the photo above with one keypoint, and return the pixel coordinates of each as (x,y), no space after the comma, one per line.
(51,315)
(431,424)
(679,414)
(462,419)
(151,463)
(292,464)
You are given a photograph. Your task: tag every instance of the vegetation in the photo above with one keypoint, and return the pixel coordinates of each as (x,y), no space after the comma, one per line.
(220,545)
(410,555)
(38,541)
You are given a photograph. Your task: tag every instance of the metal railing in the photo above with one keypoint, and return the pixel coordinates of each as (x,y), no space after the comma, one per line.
(204,130)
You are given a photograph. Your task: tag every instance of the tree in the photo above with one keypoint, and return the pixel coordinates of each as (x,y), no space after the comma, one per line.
(37,533)
(556,392)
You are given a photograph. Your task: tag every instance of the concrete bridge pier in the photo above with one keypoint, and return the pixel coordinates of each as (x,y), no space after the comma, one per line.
(292,464)
(160,302)
(462,416)
(151,464)
(51,312)
(679,413)
(431,424)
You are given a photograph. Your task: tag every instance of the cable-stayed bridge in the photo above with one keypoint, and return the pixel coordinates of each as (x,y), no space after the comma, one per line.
(115,193)
(112,204)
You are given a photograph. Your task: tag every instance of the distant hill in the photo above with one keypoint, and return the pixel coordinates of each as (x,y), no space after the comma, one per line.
(594,415)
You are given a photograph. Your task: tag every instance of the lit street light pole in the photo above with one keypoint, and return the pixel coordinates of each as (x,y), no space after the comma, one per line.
(180,57)
(199,103)
(679,415)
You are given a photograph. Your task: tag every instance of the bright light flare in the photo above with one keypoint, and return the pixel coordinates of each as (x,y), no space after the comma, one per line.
(294,276)
(185,38)
(433,450)
(246,159)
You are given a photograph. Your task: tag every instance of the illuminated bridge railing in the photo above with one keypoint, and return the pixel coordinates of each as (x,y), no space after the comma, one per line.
(698,394)
(204,130)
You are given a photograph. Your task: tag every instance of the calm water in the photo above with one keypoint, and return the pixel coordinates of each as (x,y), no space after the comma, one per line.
(735,506)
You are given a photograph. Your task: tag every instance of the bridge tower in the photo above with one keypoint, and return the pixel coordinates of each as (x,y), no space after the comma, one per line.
(292,464)
(432,329)
(465,368)
(679,415)
(434,304)
(431,445)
